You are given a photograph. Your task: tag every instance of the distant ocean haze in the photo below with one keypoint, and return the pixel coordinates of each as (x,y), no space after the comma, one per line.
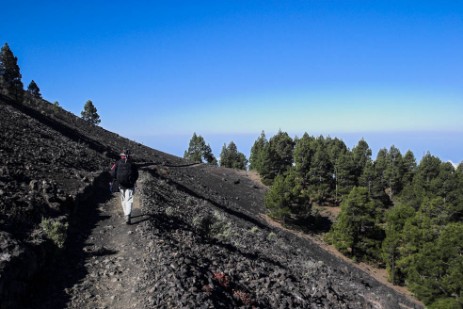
(447,146)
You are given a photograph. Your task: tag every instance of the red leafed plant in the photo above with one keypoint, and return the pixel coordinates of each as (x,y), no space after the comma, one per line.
(222,279)
(244,297)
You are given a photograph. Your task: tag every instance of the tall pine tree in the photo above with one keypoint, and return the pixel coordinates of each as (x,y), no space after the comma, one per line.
(287,197)
(232,158)
(199,151)
(354,232)
(33,90)
(361,155)
(277,156)
(90,113)
(10,75)
(256,159)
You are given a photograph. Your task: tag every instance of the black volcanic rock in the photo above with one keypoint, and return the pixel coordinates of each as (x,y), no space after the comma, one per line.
(241,261)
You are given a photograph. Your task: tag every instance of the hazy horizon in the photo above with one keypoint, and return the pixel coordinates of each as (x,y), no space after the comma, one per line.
(445,147)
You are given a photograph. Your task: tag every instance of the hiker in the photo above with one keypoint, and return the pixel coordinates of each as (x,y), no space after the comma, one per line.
(126,174)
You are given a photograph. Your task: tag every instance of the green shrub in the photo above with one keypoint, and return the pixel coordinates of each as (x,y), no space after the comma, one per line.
(203,223)
(190,201)
(214,226)
(55,230)
(170,211)
(271,236)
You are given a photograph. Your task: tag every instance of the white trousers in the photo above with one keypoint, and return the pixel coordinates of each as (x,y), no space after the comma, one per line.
(127,200)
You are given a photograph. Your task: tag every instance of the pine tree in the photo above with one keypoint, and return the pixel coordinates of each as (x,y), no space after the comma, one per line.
(33,90)
(208,155)
(10,76)
(287,197)
(320,173)
(409,167)
(416,233)
(344,174)
(361,155)
(230,157)
(256,159)
(90,113)
(373,177)
(199,151)
(335,148)
(195,148)
(56,107)
(395,221)
(342,164)
(276,199)
(431,269)
(268,169)
(277,156)
(354,230)
(394,171)
(368,177)
(437,270)
(283,146)
(380,166)
(304,150)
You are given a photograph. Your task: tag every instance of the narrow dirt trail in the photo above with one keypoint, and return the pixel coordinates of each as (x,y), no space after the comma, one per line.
(113,263)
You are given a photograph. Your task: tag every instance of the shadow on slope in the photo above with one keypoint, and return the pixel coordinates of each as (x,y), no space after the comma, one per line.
(48,289)
(312,224)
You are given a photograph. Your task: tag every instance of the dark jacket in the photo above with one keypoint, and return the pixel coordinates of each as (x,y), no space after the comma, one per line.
(125,172)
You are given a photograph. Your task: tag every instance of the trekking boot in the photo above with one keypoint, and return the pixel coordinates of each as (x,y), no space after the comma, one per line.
(127,219)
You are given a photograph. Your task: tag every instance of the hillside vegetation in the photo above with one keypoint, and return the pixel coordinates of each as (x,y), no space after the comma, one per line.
(395,213)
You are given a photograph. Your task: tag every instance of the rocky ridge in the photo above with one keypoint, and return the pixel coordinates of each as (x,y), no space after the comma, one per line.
(197,240)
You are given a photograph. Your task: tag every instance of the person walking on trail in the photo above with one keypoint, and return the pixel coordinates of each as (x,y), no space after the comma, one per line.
(126,174)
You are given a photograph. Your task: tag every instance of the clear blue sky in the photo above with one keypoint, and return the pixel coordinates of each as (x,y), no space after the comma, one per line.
(157,71)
